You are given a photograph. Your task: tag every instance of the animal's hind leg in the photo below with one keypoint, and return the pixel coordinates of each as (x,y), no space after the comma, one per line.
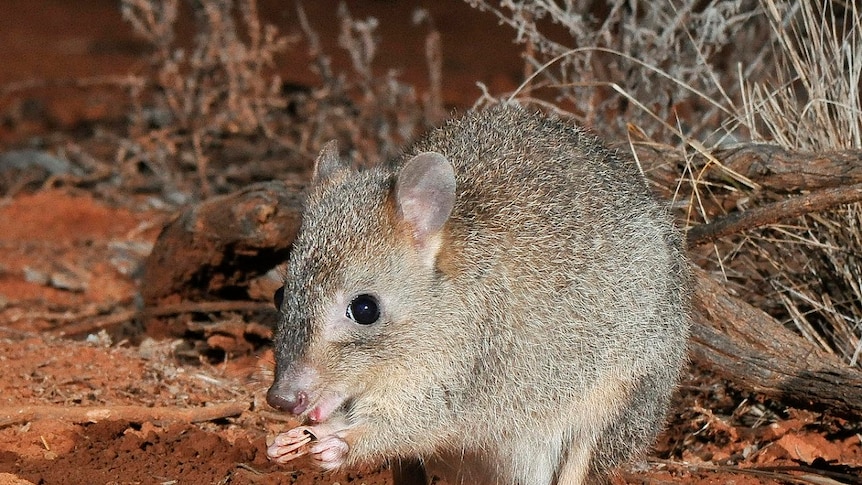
(576,465)
(600,408)
(579,469)
(634,430)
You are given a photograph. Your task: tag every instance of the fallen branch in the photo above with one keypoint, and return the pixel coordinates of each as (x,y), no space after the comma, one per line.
(10,415)
(787,474)
(782,170)
(751,349)
(222,243)
(772,213)
(208,307)
(95,324)
(771,167)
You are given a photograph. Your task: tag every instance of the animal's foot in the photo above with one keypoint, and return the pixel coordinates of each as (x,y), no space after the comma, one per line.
(290,445)
(329,452)
(327,448)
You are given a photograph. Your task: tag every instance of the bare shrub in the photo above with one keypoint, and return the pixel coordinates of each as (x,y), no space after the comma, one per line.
(226,86)
(372,115)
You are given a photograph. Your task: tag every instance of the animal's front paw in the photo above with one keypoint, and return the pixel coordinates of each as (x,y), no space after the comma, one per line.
(324,443)
(329,452)
(290,445)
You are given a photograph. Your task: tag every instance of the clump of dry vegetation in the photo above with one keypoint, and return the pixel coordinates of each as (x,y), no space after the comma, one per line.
(226,86)
(671,76)
(372,115)
(619,63)
(813,104)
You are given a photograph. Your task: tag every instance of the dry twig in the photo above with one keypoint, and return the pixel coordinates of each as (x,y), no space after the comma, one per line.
(801,475)
(773,213)
(10,415)
(96,324)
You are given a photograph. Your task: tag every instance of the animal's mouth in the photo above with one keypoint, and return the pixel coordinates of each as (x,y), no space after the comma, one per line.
(326,405)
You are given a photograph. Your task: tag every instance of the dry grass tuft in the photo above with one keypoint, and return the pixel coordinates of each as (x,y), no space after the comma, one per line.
(814,106)
(646,64)
(814,101)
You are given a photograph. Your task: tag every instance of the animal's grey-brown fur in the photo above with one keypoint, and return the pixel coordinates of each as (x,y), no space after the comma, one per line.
(535,337)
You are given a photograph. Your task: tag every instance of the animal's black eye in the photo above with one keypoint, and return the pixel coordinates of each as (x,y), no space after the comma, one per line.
(363,310)
(278,297)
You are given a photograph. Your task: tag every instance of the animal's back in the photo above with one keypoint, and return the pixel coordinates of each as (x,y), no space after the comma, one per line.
(578,282)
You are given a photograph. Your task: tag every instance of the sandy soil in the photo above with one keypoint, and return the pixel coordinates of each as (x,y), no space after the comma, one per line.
(81,405)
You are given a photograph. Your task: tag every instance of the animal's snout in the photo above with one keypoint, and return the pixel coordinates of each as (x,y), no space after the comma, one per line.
(286,399)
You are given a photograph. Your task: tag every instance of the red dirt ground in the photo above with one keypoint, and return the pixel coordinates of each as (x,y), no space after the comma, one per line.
(68,256)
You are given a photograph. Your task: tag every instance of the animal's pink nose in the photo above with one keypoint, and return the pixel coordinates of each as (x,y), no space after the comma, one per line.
(295,402)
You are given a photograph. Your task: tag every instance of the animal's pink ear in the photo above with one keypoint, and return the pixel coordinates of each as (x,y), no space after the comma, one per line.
(328,162)
(425,191)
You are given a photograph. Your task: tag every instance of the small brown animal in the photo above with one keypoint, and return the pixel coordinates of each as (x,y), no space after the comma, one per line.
(506,304)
